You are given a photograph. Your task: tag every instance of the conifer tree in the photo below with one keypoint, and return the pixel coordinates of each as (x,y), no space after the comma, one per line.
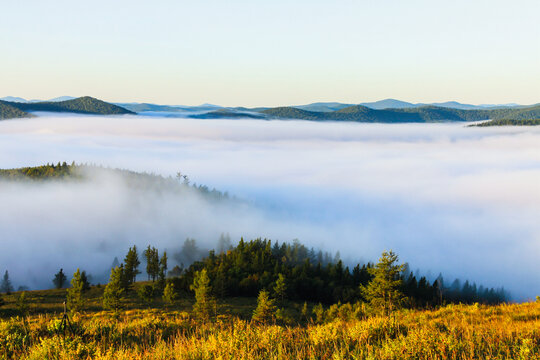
(85,281)
(75,299)
(22,304)
(59,279)
(280,288)
(131,264)
(152,262)
(169,293)
(113,295)
(203,300)
(6,284)
(383,291)
(265,308)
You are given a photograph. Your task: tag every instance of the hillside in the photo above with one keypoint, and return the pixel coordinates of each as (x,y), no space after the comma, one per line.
(82,105)
(7,111)
(506,122)
(228,114)
(360,113)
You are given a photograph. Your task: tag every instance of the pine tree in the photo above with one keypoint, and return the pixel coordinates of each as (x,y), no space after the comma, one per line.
(146,293)
(265,308)
(203,300)
(59,279)
(280,288)
(383,291)
(169,293)
(152,262)
(75,299)
(160,285)
(131,264)
(6,284)
(22,304)
(113,295)
(85,281)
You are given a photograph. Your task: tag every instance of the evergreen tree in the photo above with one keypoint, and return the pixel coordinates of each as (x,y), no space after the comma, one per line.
(280,289)
(163,264)
(264,312)
(169,293)
(6,284)
(75,299)
(152,262)
(22,304)
(146,293)
(203,300)
(85,281)
(383,291)
(113,295)
(59,279)
(131,264)
(160,285)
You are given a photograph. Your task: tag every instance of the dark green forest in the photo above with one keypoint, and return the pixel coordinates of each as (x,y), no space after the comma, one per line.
(315,276)
(7,111)
(508,122)
(82,105)
(422,114)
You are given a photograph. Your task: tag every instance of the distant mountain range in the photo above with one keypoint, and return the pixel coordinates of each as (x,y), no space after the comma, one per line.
(21,100)
(396,104)
(82,105)
(360,113)
(384,111)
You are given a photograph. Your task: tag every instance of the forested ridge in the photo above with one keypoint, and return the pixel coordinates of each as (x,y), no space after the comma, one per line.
(81,172)
(422,114)
(509,122)
(83,105)
(7,111)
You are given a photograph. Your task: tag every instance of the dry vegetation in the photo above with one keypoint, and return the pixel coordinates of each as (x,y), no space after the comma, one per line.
(508,331)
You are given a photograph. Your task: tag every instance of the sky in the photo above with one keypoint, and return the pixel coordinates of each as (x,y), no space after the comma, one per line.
(446,198)
(269,53)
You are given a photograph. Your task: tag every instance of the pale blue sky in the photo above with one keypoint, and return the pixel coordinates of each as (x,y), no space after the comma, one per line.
(257,53)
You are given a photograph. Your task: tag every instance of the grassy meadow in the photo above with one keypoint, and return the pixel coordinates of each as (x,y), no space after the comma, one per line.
(160,331)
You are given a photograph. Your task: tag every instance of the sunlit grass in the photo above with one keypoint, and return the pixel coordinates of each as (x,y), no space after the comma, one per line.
(508,331)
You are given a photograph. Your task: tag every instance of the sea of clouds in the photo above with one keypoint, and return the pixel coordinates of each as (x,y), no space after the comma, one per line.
(447,198)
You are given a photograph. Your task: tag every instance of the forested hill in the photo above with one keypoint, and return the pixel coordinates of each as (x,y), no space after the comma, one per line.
(7,111)
(82,105)
(507,122)
(359,113)
(82,172)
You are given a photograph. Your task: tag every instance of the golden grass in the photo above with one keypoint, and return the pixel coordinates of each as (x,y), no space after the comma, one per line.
(510,331)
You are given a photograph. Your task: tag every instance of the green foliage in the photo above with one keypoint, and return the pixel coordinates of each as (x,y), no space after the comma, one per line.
(169,293)
(131,265)
(22,304)
(113,295)
(146,293)
(6,286)
(60,279)
(152,262)
(384,290)
(280,289)
(265,310)
(75,300)
(203,299)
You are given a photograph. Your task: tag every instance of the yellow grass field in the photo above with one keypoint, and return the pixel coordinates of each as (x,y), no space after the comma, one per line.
(508,331)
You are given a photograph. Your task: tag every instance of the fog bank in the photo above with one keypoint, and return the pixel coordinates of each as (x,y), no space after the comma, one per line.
(463,201)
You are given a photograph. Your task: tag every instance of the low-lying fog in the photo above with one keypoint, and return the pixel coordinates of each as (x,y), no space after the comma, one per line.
(447,198)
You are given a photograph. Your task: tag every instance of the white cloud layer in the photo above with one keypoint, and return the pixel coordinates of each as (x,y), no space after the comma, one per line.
(463,201)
